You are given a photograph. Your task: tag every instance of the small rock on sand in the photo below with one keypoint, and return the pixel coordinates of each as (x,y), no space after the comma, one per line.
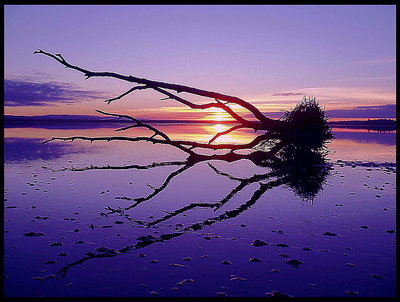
(294,262)
(178,265)
(59,243)
(258,243)
(329,234)
(185,281)
(275,293)
(34,234)
(375,276)
(282,245)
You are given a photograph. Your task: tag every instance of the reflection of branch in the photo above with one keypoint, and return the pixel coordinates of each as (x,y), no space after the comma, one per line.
(244,182)
(65,269)
(126,167)
(182,210)
(281,171)
(146,241)
(106,252)
(156,190)
(243,207)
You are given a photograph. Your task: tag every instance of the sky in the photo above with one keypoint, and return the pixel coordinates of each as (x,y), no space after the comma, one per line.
(268,55)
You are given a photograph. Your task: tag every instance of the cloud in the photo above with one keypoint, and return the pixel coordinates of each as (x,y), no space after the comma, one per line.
(378,107)
(288,94)
(23,92)
(378,61)
(379,111)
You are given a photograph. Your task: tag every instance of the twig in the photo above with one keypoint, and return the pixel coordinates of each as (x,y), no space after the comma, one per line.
(226,132)
(138,123)
(125,93)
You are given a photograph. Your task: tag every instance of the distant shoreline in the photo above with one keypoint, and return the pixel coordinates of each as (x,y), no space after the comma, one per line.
(77,121)
(370,124)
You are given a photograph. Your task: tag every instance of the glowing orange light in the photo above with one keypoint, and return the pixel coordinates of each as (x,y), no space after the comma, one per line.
(219,128)
(219,117)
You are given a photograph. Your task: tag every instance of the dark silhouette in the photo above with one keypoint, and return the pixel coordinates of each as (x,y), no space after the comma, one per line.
(304,127)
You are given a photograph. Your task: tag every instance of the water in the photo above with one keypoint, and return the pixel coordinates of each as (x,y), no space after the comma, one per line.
(200,217)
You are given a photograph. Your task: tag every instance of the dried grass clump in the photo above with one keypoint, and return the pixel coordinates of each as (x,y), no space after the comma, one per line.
(307,126)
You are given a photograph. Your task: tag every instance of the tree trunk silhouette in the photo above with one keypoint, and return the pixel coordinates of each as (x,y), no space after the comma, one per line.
(306,124)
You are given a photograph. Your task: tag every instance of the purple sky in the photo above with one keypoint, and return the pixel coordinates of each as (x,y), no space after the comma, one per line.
(271,56)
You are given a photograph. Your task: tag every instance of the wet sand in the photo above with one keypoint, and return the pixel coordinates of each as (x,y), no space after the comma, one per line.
(82,233)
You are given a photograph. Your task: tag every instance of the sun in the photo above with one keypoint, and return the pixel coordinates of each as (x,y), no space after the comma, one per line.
(219,116)
(219,128)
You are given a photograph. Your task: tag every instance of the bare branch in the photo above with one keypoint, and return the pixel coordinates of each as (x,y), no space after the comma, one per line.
(125,93)
(123,138)
(176,143)
(127,127)
(266,123)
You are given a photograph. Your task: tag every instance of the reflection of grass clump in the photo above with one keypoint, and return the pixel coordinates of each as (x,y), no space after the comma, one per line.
(304,171)
(307,126)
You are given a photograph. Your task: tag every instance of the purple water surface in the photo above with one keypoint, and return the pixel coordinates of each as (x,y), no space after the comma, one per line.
(42,195)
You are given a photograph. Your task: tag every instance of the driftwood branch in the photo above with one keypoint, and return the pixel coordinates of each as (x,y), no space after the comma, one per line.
(305,127)
(263,123)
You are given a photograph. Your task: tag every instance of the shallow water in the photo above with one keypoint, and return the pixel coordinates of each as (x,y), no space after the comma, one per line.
(79,212)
